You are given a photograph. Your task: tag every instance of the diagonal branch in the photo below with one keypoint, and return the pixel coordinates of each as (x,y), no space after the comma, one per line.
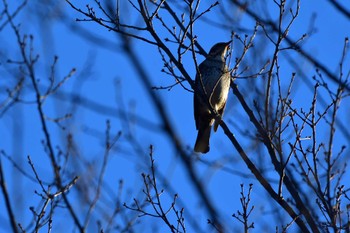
(340,8)
(7,200)
(269,146)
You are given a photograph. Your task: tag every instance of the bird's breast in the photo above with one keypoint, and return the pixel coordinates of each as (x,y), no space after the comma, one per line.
(216,80)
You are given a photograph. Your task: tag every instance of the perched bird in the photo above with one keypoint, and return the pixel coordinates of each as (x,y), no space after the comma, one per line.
(213,81)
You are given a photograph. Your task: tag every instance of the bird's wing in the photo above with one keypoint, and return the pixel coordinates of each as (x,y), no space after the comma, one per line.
(196,103)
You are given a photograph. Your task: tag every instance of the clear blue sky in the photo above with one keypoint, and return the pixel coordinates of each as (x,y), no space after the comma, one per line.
(104,75)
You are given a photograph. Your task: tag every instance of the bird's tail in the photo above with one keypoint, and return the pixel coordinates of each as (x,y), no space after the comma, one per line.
(202,142)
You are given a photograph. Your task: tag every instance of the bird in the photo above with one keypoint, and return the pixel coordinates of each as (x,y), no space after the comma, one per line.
(212,84)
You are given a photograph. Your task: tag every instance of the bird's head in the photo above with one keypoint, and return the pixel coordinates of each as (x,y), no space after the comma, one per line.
(219,50)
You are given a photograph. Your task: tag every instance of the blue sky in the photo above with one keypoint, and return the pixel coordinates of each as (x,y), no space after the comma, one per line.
(106,76)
